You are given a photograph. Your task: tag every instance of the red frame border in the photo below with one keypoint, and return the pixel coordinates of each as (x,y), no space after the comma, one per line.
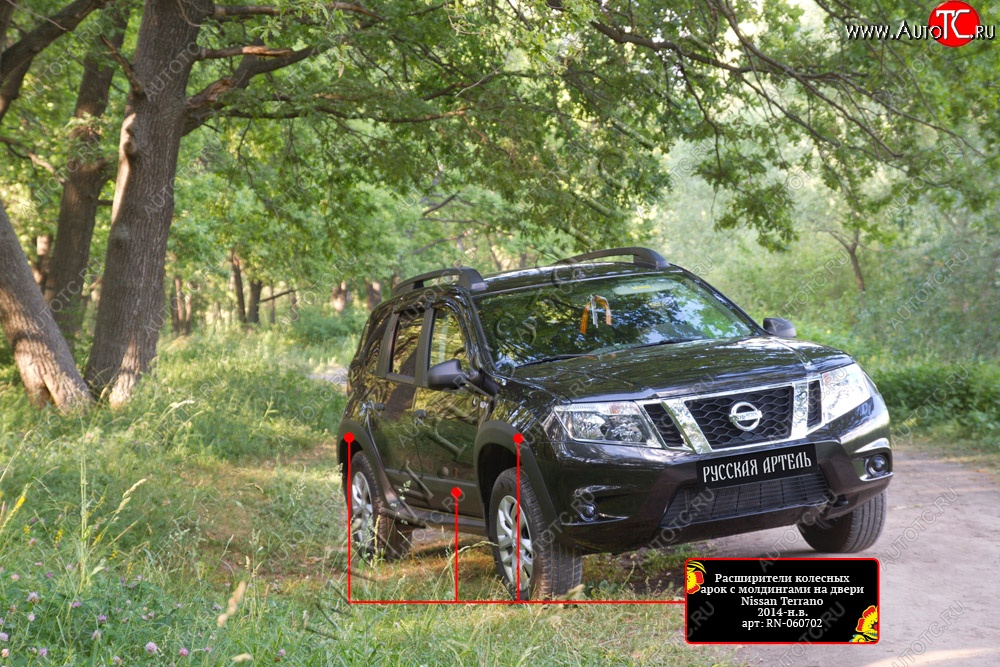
(878,605)
(518,440)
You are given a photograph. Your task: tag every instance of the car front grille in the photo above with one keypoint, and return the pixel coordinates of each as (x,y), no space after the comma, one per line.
(712,414)
(815,404)
(693,505)
(665,425)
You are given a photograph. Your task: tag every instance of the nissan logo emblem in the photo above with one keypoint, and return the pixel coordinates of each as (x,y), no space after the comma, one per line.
(744,416)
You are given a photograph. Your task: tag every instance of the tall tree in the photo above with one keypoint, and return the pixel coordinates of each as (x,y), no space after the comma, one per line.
(87,171)
(131,312)
(42,357)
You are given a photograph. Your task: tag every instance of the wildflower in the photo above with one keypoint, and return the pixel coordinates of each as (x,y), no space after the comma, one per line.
(31,617)
(183,652)
(42,652)
(33,598)
(15,576)
(102,618)
(76,604)
(5,653)
(4,637)
(96,635)
(116,660)
(31,542)
(152,648)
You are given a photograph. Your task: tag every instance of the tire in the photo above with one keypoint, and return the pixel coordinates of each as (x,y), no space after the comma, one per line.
(855,531)
(548,568)
(375,533)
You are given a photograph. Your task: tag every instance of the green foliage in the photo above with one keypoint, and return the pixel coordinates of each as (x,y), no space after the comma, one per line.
(927,394)
(320,326)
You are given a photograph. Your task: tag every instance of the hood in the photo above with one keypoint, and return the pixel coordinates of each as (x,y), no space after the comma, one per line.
(684,368)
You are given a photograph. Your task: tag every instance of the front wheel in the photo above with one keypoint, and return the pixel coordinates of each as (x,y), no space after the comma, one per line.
(855,531)
(542,567)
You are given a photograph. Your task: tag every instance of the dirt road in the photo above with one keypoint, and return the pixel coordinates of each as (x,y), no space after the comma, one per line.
(940,556)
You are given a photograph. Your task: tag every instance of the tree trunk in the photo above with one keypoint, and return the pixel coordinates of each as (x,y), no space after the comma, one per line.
(253,308)
(86,173)
(177,306)
(131,311)
(338,296)
(373,292)
(241,306)
(42,266)
(859,279)
(273,310)
(42,357)
(188,312)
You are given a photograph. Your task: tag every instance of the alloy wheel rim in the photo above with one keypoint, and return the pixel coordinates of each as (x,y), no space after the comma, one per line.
(363,512)
(507,543)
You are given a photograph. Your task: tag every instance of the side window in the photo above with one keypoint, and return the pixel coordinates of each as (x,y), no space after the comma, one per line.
(447,339)
(404,347)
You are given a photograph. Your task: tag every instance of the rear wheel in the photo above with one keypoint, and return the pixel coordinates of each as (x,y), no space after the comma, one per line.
(375,533)
(855,531)
(543,567)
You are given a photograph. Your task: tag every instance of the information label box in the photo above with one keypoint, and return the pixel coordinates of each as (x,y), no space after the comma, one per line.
(781,601)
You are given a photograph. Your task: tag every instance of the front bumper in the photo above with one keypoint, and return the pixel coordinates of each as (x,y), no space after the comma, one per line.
(613,499)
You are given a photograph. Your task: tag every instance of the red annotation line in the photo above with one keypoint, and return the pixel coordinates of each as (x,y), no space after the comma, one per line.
(456,494)
(349,438)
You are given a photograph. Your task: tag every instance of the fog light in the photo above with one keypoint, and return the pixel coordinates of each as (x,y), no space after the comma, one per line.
(877,465)
(588,512)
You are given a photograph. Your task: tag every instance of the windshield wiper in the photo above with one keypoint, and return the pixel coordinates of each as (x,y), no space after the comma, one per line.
(668,341)
(555,357)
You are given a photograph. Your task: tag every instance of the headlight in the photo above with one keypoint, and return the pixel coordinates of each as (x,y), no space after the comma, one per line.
(843,390)
(620,423)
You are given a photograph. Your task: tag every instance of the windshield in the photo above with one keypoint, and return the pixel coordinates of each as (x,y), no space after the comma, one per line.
(604,315)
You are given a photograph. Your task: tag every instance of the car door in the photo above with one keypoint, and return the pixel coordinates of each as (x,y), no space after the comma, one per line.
(395,429)
(448,419)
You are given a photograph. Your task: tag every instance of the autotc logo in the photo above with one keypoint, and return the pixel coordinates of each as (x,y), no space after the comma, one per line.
(954,23)
(744,416)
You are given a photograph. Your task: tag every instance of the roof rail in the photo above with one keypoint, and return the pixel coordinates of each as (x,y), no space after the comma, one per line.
(640,257)
(468,278)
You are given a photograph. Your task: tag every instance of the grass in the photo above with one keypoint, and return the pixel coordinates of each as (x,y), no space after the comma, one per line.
(139,526)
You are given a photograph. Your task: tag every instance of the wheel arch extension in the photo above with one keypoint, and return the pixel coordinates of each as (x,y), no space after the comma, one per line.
(362,443)
(495,452)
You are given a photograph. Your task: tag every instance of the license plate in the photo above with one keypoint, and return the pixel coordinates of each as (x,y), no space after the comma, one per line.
(758,466)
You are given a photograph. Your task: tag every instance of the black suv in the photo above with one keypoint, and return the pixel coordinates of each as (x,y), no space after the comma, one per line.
(651,411)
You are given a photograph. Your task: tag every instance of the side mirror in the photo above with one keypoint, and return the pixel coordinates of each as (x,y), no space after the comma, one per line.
(779,326)
(446,375)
